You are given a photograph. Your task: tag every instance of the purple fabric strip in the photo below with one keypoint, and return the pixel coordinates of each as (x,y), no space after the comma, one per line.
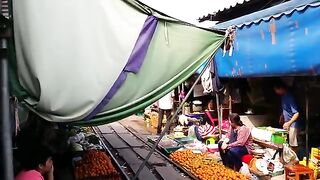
(141,47)
(134,63)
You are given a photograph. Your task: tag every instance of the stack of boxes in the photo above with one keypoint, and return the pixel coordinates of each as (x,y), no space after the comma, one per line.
(314,162)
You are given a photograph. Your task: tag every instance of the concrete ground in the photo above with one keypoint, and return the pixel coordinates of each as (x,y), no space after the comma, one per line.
(281,177)
(138,124)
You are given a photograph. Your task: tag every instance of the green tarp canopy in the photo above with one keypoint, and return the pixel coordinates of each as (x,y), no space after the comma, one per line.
(95,62)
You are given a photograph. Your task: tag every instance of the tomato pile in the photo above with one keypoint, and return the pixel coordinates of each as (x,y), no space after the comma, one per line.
(204,169)
(95,164)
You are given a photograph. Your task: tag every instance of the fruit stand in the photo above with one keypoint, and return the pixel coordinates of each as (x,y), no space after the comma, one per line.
(90,159)
(95,164)
(202,159)
(204,166)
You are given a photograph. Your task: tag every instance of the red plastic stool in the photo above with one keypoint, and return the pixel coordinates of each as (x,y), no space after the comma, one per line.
(294,172)
(247,158)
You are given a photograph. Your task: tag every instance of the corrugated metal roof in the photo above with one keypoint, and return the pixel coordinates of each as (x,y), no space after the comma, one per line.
(232,6)
(227,7)
(266,14)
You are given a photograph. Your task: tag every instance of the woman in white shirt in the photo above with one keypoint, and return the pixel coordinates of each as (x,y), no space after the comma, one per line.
(165,107)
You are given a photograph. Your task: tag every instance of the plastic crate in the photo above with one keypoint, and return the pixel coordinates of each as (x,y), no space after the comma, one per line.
(169,146)
(279,137)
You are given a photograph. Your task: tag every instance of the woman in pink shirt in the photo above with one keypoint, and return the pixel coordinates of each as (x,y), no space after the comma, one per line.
(237,143)
(37,163)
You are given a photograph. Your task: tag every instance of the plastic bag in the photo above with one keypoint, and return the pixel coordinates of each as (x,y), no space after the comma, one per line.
(191,132)
(225,124)
(288,154)
(245,170)
(183,120)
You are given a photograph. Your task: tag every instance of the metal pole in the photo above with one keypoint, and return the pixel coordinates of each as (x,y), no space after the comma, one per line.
(5,127)
(6,171)
(166,129)
(179,100)
(307,123)
(219,115)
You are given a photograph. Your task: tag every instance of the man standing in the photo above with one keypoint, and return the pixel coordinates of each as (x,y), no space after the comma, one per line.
(290,114)
(165,106)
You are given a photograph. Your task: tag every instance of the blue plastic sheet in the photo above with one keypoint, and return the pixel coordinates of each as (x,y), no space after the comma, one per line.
(295,49)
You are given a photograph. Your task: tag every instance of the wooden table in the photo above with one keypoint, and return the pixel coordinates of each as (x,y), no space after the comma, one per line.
(268,144)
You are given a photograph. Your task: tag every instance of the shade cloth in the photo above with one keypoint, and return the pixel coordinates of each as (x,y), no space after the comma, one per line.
(94,62)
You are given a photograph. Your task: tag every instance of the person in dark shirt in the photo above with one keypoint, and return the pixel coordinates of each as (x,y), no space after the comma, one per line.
(290,113)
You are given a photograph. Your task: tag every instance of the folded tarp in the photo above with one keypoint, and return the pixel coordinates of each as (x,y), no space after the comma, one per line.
(94,62)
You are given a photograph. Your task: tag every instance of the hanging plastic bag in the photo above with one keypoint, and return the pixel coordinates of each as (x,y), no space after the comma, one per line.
(245,170)
(225,124)
(289,156)
(191,132)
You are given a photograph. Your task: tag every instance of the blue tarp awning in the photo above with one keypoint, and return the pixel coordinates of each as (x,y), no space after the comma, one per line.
(282,40)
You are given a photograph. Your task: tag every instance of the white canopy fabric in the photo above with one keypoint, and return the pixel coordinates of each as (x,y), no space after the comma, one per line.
(67,46)
(98,61)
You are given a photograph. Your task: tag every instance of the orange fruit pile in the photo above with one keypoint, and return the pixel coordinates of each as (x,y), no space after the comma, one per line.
(95,164)
(204,169)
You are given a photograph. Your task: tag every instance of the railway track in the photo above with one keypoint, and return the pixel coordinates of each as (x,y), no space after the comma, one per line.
(128,149)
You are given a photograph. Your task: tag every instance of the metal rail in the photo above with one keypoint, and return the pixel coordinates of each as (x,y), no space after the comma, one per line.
(164,156)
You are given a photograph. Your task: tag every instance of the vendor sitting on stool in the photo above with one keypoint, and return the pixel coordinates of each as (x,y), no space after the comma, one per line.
(204,130)
(237,143)
(207,127)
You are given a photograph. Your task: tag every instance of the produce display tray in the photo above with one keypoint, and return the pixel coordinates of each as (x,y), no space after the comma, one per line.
(184,140)
(168,146)
(168,150)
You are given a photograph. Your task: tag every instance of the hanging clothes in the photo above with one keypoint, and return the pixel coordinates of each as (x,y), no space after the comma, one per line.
(206,81)
(216,84)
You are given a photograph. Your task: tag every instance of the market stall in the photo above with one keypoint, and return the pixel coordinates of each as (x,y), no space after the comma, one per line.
(288,27)
(204,166)
(77,153)
(270,28)
(103,89)
(267,148)
(90,158)
(265,154)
